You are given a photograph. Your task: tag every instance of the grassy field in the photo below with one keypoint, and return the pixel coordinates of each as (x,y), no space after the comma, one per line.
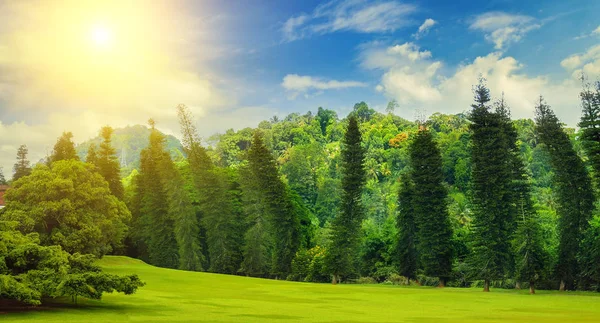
(177,296)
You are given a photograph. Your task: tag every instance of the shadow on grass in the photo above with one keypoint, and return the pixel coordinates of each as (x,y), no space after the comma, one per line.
(10,307)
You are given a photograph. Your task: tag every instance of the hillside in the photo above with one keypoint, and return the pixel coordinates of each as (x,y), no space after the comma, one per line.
(178,296)
(129,142)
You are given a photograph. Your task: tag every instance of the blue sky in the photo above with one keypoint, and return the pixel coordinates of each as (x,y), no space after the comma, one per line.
(235,63)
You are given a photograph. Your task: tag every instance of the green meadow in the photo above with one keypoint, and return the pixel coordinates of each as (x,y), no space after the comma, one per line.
(180,296)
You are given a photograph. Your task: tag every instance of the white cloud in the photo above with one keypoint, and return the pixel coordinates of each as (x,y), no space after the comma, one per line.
(587,63)
(354,15)
(420,82)
(504,29)
(297,84)
(596,31)
(424,28)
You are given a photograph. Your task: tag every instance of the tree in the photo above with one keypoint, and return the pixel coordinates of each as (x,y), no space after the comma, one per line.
(345,227)
(2,178)
(153,223)
(590,127)
(70,205)
(283,218)
(574,192)
(430,207)
(22,166)
(108,164)
(64,149)
(406,244)
(92,155)
(31,273)
(392,106)
(491,196)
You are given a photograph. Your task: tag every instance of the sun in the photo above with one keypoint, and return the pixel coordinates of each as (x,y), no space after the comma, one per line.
(101,36)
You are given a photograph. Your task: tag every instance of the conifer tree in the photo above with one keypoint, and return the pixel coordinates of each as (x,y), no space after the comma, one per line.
(283,218)
(92,155)
(2,178)
(218,199)
(345,228)
(590,127)
(406,244)
(108,164)
(430,207)
(64,149)
(575,196)
(491,196)
(154,225)
(22,166)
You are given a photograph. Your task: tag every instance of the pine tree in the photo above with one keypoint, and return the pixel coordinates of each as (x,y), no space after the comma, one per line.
(2,178)
(284,221)
(108,164)
(430,207)
(218,199)
(154,225)
(575,196)
(590,127)
(406,245)
(491,196)
(92,155)
(64,149)
(22,166)
(345,228)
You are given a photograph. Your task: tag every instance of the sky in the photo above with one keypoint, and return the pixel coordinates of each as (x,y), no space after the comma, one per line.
(76,65)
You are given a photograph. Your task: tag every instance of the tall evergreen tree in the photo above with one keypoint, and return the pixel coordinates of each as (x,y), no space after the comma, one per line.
(590,127)
(64,149)
(530,255)
(108,163)
(345,228)
(2,178)
(491,196)
(22,166)
(218,199)
(92,155)
(575,196)
(154,225)
(283,218)
(430,207)
(406,244)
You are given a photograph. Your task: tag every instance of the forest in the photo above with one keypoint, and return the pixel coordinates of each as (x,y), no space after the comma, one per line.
(474,199)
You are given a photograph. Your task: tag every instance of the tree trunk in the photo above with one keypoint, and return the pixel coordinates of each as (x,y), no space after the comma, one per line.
(407,281)
(335,279)
(486,285)
(442,283)
(562,286)
(418,282)
(531,287)
(518,285)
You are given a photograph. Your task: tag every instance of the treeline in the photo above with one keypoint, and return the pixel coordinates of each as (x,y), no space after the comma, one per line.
(473,199)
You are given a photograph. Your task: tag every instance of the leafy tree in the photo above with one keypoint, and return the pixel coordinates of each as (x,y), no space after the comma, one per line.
(64,149)
(491,191)
(326,118)
(430,207)
(406,249)
(30,273)
(392,106)
(22,166)
(69,205)
(345,236)
(108,164)
(575,197)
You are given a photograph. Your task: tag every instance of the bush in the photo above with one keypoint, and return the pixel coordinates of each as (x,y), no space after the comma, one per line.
(309,266)
(365,281)
(395,279)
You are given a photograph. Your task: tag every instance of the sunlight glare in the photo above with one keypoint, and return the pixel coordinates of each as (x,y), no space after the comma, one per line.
(101,36)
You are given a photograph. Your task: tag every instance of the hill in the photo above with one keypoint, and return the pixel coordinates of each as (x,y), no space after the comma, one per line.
(129,142)
(178,296)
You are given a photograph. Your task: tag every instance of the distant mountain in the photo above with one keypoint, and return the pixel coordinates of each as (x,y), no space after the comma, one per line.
(129,142)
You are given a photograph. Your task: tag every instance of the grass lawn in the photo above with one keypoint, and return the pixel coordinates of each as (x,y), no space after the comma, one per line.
(178,296)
